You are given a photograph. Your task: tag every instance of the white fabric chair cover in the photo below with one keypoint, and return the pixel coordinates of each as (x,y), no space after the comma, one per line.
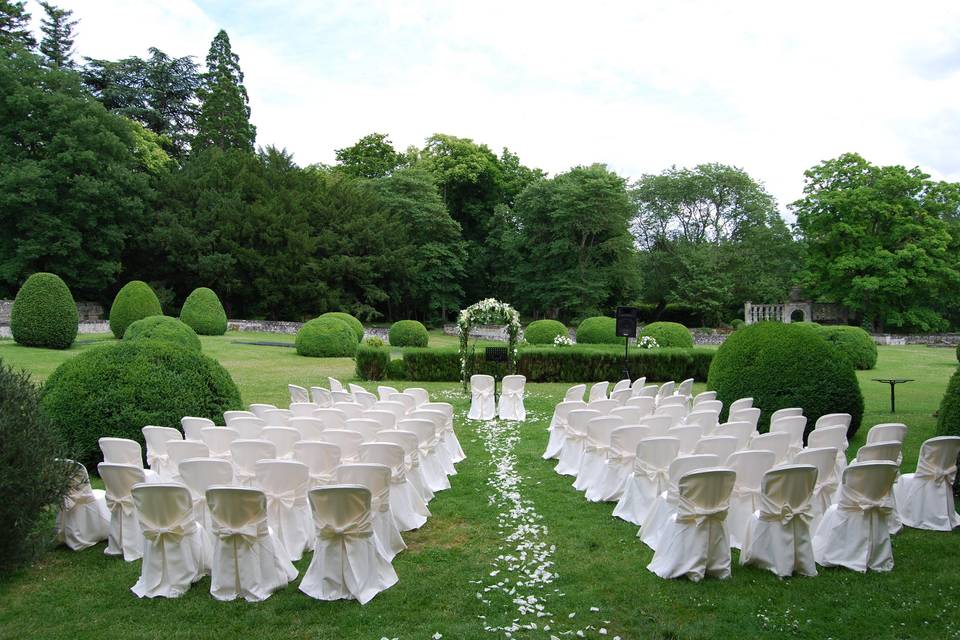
(603,405)
(431,470)
(793,426)
(621,396)
(925,498)
(666,390)
(836,437)
(180,450)
(789,412)
(558,426)
(219,440)
(348,442)
(199,474)
(301,410)
(595,449)
(621,457)
(411,451)
(244,455)
(248,561)
(598,391)
(83,519)
(341,396)
(285,484)
(650,478)
(408,507)
(321,458)
(694,540)
(886,432)
(125,538)
(321,397)
(249,428)
(364,426)
(308,428)
(648,391)
(706,420)
(334,384)
(441,451)
(639,383)
(482,404)
(741,403)
(420,395)
(575,393)
(122,451)
(703,396)
(824,459)
(511,399)
(673,401)
(675,412)
(346,561)
(721,446)
(833,420)
(665,504)
(376,478)
(365,399)
(277,417)
(688,436)
(778,536)
(157,458)
(230,416)
(710,405)
(573,445)
(385,392)
(192,425)
(742,431)
(331,417)
(658,425)
(353,388)
(855,532)
(386,419)
(397,408)
(645,404)
(449,439)
(408,402)
(260,409)
(745,499)
(620,386)
(751,415)
(629,415)
(685,388)
(890,450)
(298,393)
(779,443)
(283,438)
(174,556)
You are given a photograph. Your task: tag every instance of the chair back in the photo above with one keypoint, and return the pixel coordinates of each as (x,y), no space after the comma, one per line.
(352,410)
(779,443)
(658,452)
(348,441)
(887,432)
(513,384)
(179,450)
(277,417)
(162,506)
(703,396)
(624,440)
(598,391)
(341,396)
(629,415)
(406,439)
(364,426)
(709,405)
(669,401)
(385,392)
(330,417)
(788,485)
(646,404)
(386,419)
(420,395)
(397,408)
(575,393)
(121,451)
(308,428)
(639,383)
(873,480)
(385,453)
(245,454)
(425,429)
(685,388)
(793,426)
(741,403)
(375,477)
(706,490)
(749,414)
(408,402)
(156,439)
(599,429)
(118,479)
(722,446)
(321,458)
(298,393)
(230,416)
(666,389)
(192,425)
(481,383)
(199,474)
(835,436)
(750,466)
(578,419)
(621,396)
(260,410)
(237,508)
(278,477)
(823,458)
(938,455)
(682,465)
(789,412)
(249,428)
(620,386)
(301,410)
(283,439)
(321,397)
(676,413)
(742,431)
(604,405)
(705,419)
(562,410)
(218,440)
(688,435)
(833,420)
(879,451)
(658,425)
(355,387)
(334,384)
(648,391)
(340,506)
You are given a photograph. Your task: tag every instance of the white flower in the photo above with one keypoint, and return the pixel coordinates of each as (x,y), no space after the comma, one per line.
(647,342)
(562,341)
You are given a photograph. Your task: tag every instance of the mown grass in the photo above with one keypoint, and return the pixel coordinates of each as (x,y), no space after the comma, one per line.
(599,560)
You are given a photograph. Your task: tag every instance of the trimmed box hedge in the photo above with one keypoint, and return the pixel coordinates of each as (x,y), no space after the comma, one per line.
(372,362)
(44,313)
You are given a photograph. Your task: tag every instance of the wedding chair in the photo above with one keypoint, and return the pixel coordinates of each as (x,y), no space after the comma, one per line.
(676,413)
(745,499)
(321,397)
(789,412)
(621,456)
(482,405)
(620,386)
(721,446)
(742,431)
(157,458)
(706,420)
(298,393)
(794,426)
(836,437)
(365,399)
(925,498)
(879,451)
(888,432)
(688,436)
(277,417)
(440,451)
(703,396)
(595,448)
(824,459)
(670,401)
(123,451)
(432,472)
(650,478)
(559,426)
(301,410)
(283,439)
(833,419)
(408,402)
(645,404)
(750,414)
(397,408)
(285,484)
(648,391)
(192,425)
(330,417)
(125,538)
(665,504)
(260,410)
(639,383)
(334,384)
(321,459)
(742,403)
(179,450)
(385,392)
(629,415)
(598,391)
(199,474)
(354,388)
(341,396)
(248,428)
(511,400)
(449,438)
(230,416)
(658,425)
(366,427)
(604,405)
(245,453)
(710,405)
(572,451)
(83,519)
(308,428)
(779,443)
(420,395)
(666,390)
(218,441)
(386,419)
(575,393)
(411,450)
(621,396)
(376,478)
(685,388)
(348,441)
(406,503)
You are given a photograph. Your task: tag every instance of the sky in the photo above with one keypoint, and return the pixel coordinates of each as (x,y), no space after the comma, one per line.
(771,87)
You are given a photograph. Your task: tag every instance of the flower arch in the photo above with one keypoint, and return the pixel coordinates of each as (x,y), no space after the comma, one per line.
(488,311)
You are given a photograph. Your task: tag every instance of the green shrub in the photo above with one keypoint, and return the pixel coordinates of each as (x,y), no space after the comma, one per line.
(737,324)
(326,337)
(598,330)
(163,328)
(854,344)
(948,417)
(781,365)
(544,331)
(31,476)
(203,313)
(375,342)
(372,362)
(408,333)
(134,301)
(44,313)
(669,334)
(397,369)
(115,390)
(355,325)
(806,324)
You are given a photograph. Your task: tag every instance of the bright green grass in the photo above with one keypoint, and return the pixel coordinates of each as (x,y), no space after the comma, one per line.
(598,558)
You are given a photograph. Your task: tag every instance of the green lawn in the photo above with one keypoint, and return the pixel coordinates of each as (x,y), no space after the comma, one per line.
(598,560)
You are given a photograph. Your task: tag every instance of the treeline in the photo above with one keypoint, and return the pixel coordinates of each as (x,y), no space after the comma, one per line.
(147,168)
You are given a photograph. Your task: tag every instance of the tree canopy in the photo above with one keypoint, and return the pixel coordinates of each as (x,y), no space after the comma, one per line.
(224,117)
(57,43)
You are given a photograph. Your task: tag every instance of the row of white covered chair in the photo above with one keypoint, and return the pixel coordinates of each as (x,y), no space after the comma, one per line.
(483,405)
(324,397)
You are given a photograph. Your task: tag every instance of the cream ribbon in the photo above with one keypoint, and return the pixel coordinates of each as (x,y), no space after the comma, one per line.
(381,501)
(73,499)
(124,503)
(853,500)
(174,533)
(362,528)
(157,461)
(690,513)
(654,474)
(398,475)
(939,475)
(784,513)
(249,533)
(322,478)
(619,457)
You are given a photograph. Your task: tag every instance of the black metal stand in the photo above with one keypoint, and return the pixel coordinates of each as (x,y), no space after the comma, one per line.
(893,382)
(626,368)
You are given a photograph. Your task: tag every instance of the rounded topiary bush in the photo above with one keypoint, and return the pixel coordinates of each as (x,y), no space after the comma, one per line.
(948,417)
(117,389)
(854,344)
(598,330)
(163,328)
(544,331)
(326,337)
(355,325)
(408,333)
(203,313)
(737,323)
(669,334)
(134,301)
(44,313)
(781,365)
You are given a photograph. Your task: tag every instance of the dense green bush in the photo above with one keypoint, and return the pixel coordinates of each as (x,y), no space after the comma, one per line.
(544,331)
(598,330)
(203,313)
(372,362)
(163,328)
(669,334)
(44,313)
(374,341)
(781,365)
(948,417)
(806,324)
(737,323)
(134,301)
(30,475)
(854,344)
(326,337)
(397,369)
(115,390)
(408,333)
(355,325)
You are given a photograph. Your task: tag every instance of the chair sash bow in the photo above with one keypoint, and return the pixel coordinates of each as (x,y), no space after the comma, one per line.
(381,501)
(852,500)
(247,534)
(653,473)
(358,530)
(124,503)
(784,513)
(690,513)
(174,532)
(938,475)
(75,498)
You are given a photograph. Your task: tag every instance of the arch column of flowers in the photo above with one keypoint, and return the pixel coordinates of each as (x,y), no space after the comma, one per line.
(488,311)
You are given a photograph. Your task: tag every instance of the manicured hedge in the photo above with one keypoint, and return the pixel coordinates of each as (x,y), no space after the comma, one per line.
(737,323)
(372,362)
(165,329)
(408,333)
(115,390)
(948,417)
(203,313)
(326,337)
(598,330)
(544,331)
(669,334)
(782,365)
(134,301)
(44,313)
(854,344)
(355,325)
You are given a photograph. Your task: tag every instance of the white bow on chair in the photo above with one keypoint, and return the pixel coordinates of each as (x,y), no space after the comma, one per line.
(691,513)
(784,513)
(938,475)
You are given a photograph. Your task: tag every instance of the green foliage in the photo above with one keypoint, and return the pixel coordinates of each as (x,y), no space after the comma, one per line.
(737,324)
(781,365)
(224,118)
(328,337)
(373,156)
(44,313)
(203,312)
(854,344)
(948,417)
(165,329)
(372,362)
(31,476)
(134,301)
(598,330)
(374,342)
(397,369)
(15,25)
(115,390)
(57,43)
(669,334)
(958,352)
(408,333)
(544,331)
(807,324)
(355,325)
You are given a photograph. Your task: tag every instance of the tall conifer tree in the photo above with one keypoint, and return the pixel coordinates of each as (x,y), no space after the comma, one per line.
(15,25)
(57,43)
(224,119)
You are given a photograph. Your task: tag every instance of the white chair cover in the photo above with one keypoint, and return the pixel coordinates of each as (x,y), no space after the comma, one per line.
(573,445)
(408,507)
(745,498)
(675,412)
(824,459)
(157,458)
(707,420)
(283,439)
(331,417)
(665,504)
(778,536)
(710,405)
(321,397)
(793,426)
(411,450)
(334,384)
(621,457)
(648,391)
(751,415)
(180,450)
(285,484)
(419,394)
(364,426)
(355,388)
(441,451)
(595,449)
(890,450)
(408,401)
(298,393)
(244,455)
(833,419)
(248,427)
(695,541)
(742,403)
(83,519)
(688,437)
(666,390)
(386,419)
(558,426)
(789,412)
(836,437)
(703,396)
(650,478)
(887,432)
(779,443)
(575,393)
(125,538)
(348,442)
(742,431)
(639,383)
(598,391)
(192,425)
(673,401)
(219,440)
(308,428)
(721,446)
(925,498)
(511,399)
(247,560)
(621,396)
(346,560)
(174,556)
(482,404)
(321,458)
(629,415)
(376,478)
(385,392)
(855,532)
(301,410)
(230,416)
(341,396)
(620,386)
(199,474)
(277,417)
(685,388)
(432,472)
(658,425)
(603,405)
(260,410)
(122,451)
(365,399)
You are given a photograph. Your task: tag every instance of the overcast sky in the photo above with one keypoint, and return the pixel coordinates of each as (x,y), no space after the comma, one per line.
(772,87)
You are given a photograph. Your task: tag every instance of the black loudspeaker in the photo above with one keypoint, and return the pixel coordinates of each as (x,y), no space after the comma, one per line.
(627,322)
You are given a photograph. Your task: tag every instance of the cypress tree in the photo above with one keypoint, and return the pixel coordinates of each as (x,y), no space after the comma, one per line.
(15,25)
(224,119)
(57,43)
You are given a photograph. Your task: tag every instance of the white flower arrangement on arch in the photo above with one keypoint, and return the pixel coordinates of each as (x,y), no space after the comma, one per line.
(488,311)
(647,342)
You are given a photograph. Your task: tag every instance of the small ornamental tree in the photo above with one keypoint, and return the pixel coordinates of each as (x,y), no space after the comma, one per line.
(134,301)
(203,313)
(408,333)
(44,313)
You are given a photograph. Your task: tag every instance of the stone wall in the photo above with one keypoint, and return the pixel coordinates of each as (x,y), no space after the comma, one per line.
(88,311)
